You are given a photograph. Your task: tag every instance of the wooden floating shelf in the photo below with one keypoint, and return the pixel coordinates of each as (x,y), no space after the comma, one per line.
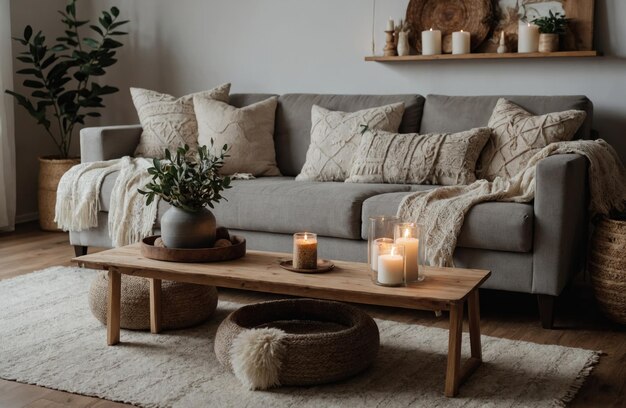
(477,56)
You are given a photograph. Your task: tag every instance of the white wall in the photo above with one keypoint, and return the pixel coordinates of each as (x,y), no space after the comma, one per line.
(316,46)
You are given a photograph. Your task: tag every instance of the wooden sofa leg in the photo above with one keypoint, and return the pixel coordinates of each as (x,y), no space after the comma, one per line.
(80,250)
(546,310)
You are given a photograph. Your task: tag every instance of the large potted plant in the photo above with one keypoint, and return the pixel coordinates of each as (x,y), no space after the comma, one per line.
(189,183)
(64,94)
(607,265)
(551,28)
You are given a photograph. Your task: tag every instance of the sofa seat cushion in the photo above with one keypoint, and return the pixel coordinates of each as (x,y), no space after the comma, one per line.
(283,205)
(491,225)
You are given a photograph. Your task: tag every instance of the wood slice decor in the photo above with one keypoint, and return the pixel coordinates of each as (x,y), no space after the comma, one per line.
(474,16)
(218,254)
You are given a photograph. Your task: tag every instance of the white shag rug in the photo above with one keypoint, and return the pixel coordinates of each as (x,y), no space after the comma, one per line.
(48,337)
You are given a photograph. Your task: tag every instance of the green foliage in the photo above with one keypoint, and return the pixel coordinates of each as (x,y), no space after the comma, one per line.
(555,23)
(189,183)
(61,75)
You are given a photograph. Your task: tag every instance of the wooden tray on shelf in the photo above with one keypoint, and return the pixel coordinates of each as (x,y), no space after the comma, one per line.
(235,251)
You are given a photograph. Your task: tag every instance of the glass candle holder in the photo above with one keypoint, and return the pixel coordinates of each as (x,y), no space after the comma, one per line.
(380,227)
(390,264)
(305,250)
(408,234)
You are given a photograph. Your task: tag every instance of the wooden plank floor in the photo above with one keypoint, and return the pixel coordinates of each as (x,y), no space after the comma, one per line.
(505,315)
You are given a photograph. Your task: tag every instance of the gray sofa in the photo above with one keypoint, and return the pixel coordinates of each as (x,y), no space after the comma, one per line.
(533,248)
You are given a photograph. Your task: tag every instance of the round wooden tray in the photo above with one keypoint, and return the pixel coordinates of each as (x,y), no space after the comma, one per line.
(322,266)
(474,16)
(237,250)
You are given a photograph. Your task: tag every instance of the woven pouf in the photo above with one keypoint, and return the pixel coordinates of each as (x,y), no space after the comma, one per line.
(296,342)
(182,304)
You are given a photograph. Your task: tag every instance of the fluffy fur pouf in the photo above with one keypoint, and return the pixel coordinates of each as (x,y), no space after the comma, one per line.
(256,357)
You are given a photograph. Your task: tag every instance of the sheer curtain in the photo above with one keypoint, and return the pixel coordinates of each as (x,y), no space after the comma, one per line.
(7,141)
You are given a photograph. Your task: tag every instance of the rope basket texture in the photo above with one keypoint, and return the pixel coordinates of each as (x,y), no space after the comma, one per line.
(183,304)
(607,268)
(321,341)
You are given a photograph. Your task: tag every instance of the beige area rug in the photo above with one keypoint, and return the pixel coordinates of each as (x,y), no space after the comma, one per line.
(48,337)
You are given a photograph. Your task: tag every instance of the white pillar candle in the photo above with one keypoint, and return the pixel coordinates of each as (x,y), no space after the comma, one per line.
(460,42)
(528,38)
(390,24)
(411,254)
(390,269)
(431,42)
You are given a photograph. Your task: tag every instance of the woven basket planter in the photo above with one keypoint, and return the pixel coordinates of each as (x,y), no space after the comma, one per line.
(183,304)
(50,172)
(607,267)
(311,342)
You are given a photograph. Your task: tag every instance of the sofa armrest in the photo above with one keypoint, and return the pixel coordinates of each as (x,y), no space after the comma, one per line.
(560,235)
(109,142)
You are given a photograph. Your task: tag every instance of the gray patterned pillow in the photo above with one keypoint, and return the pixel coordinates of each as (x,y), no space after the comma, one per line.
(169,122)
(518,134)
(335,137)
(441,159)
(248,132)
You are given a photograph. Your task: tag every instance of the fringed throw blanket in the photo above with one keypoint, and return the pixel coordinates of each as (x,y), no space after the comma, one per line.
(78,199)
(441,211)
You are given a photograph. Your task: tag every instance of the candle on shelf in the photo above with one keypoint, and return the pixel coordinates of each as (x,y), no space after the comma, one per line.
(304,250)
(460,42)
(528,38)
(431,42)
(385,243)
(390,24)
(406,235)
(391,267)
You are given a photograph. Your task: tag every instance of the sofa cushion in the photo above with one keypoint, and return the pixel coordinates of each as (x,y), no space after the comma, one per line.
(491,225)
(282,205)
(293,121)
(458,113)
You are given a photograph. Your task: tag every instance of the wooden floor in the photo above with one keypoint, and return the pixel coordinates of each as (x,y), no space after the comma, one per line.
(505,315)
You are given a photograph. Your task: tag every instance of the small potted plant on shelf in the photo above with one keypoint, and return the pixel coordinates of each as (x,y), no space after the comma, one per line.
(607,265)
(550,27)
(61,77)
(189,183)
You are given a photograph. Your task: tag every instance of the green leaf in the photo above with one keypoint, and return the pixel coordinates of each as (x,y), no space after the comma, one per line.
(117,24)
(97,29)
(33,84)
(27,60)
(28,32)
(91,42)
(115,11)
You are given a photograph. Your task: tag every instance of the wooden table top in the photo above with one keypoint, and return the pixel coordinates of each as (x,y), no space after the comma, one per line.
(259,271)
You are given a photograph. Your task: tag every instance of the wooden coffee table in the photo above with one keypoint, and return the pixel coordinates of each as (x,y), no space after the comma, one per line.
(442,289)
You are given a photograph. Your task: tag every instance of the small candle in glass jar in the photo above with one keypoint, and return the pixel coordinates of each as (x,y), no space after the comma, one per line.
(305,250)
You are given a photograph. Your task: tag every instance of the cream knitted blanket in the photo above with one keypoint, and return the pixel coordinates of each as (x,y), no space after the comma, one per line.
(78,199)
(441,211)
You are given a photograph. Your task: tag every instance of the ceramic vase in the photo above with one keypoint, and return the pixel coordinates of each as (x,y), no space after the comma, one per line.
(403,43)
(186,229)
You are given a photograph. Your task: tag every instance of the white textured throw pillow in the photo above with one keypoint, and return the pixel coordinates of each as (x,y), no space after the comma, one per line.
(248,132)
(518,134)
(442,159)
(169,122)
(335,137)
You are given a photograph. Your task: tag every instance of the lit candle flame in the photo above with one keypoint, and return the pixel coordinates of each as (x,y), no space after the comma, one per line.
(406,233)
(306,237)
(393,250)
(431,29)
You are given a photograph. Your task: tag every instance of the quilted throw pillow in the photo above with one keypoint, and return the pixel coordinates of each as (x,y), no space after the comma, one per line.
(335,137)
(169,122)
(248,132)
(516,135)
(441,159)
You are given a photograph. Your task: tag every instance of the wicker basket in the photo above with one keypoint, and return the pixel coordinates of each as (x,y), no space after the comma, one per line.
(50,172)
(607,267)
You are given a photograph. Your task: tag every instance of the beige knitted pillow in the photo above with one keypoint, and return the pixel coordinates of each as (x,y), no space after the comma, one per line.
(441,159)
(335,137)
(169,122)
(248,132)
(518,134)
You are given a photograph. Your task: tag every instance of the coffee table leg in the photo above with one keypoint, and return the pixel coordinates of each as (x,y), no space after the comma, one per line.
(155,305)
(113,307)
(473,311)
(454,350)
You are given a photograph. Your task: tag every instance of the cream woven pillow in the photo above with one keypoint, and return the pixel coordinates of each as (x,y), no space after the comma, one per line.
(335,137)
(518,134)
(248,132)
(441,159)
(169,122)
